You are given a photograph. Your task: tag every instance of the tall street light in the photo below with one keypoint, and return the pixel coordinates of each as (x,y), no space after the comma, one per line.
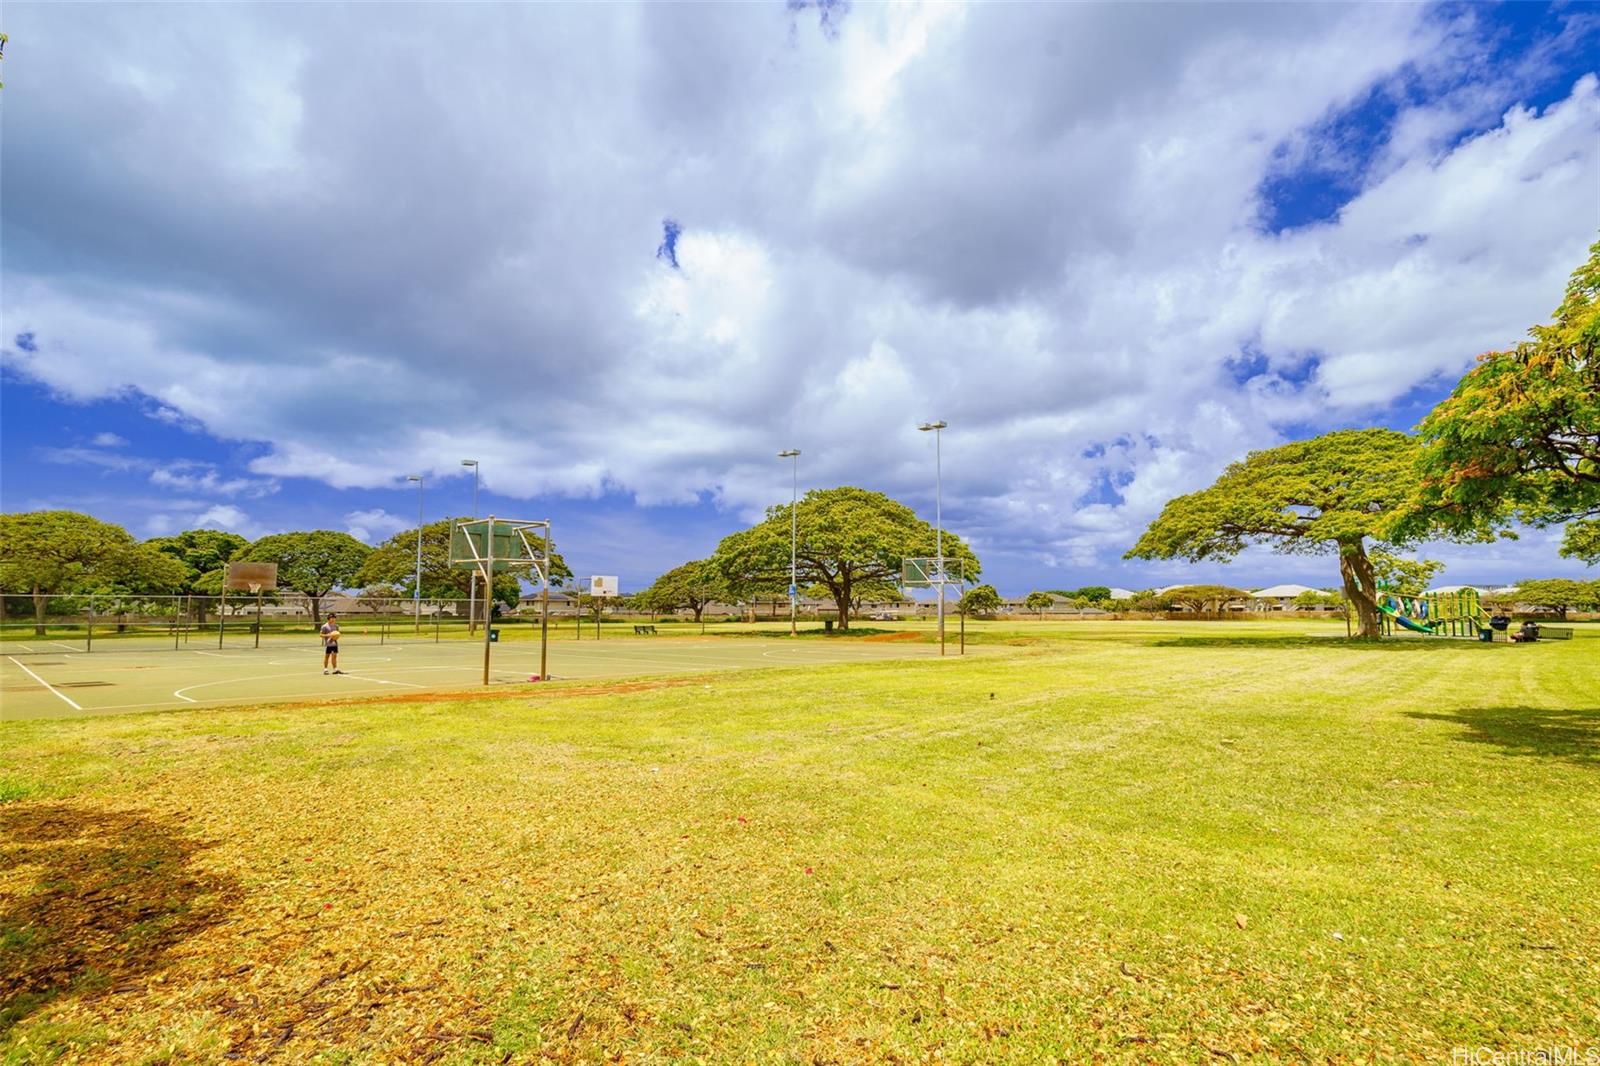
(793,455)
(416,592)
(472,594)
(938,513)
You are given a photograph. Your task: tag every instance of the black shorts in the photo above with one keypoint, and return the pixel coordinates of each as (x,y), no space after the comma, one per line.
(331,648)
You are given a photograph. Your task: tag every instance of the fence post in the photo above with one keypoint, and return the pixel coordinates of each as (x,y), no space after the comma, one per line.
(88,642)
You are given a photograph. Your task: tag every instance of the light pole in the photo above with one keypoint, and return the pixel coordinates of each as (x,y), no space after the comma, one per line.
(938,513)
(793,455)
(472,594)
(416,591)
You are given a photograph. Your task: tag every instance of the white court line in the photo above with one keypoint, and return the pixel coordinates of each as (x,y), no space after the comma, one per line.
(214,654)
(45,683)
(69,647)
(381,681)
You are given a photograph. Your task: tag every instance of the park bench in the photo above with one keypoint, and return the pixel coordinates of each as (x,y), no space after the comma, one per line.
(644,631)
(1554,633)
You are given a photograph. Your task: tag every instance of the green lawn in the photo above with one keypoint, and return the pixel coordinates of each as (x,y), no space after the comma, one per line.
(1138,842)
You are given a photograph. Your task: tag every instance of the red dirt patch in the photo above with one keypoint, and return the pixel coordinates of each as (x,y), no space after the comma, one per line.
(883,638)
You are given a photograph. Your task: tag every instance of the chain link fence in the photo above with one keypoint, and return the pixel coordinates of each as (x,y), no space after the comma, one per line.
(106,621)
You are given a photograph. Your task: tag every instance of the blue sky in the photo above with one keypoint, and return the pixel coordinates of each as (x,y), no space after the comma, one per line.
(261,262)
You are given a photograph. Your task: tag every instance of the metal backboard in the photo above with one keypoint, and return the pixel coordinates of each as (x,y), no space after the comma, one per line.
(925,573)
(250,577)
(502,544)
(603,587)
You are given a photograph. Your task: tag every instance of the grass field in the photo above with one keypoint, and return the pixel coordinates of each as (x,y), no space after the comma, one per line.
(1120,842)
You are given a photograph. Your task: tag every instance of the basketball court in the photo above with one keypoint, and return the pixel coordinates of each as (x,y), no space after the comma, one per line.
(62,681)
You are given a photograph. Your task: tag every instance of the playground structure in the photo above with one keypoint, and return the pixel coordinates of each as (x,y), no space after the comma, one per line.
(1435,614)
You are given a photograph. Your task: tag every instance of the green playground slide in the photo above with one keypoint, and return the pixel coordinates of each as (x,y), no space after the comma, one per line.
(1404,622)
(1443,614)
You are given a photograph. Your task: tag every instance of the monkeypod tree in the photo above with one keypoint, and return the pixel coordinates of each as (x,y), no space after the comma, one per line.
(981,601)
(204,554)
(1519,436)
(1328,495)
(1038,602)
(691,586)
(1206,599)
(46,553)
(1558,595)
(848,538)
(312,563)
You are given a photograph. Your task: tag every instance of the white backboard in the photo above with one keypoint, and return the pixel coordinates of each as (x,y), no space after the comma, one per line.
(603,585)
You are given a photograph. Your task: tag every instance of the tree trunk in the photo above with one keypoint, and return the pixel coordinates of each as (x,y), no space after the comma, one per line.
(697,608)
(38,612)
(841,600)
(1360,587)
(316,609)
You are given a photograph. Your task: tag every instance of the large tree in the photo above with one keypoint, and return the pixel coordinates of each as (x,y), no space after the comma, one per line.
(1558,594)
(47,553)
(1332,494)
(982,600)
(394,562)
(1519,436)
(848,538)
(312,563)
(1038,602)
(691,586)
(1206,598)
(204,553)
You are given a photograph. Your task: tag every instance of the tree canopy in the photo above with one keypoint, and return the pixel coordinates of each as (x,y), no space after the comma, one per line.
(1558,594)
(982,600)
(1039,601)
(1407,577)
(1519,436)
(1581,541)
(1330,494)
(1207,599)
(691,586)
(312,563)
(847,537)
(52,552)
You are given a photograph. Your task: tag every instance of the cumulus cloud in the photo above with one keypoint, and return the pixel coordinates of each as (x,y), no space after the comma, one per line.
(375,525)
(637,249)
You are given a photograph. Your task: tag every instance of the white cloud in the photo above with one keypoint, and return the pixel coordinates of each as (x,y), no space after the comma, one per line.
(108,440)
(1043,224)
(375,525)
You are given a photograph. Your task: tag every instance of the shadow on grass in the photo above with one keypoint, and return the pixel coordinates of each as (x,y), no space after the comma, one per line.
(1573,735)
(111,894)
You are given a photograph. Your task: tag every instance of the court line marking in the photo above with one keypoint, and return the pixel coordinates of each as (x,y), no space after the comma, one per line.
(70,647)
(46,684)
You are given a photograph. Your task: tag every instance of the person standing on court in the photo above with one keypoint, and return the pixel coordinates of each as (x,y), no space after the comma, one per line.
(330,646)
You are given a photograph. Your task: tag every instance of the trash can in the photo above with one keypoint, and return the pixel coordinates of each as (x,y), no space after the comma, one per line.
(494,636)
(827,625)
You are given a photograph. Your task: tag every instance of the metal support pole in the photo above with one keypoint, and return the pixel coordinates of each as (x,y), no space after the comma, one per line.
(938,519)
(488,630)
(222,613)
(88,643)
(544,612)
(416,592)
(258,620)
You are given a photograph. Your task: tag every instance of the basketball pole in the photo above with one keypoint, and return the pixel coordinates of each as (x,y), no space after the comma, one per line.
(488,583)
(544,612)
